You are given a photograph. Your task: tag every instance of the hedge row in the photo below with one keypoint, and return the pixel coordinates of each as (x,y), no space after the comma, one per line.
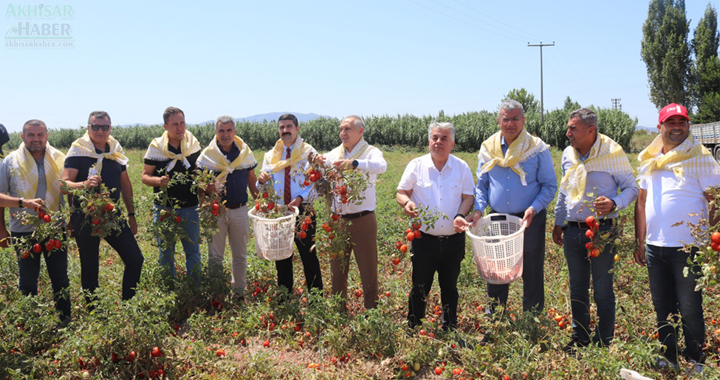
(401,131)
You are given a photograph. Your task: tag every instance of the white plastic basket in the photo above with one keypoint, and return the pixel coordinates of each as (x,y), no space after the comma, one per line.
(274,237)
(497,241)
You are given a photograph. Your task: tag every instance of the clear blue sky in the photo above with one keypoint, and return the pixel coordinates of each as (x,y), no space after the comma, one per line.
(134,58)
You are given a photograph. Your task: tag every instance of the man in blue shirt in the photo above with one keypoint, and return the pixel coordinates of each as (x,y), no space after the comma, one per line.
(233,163)
(284,165)
(516,176)
(594,169)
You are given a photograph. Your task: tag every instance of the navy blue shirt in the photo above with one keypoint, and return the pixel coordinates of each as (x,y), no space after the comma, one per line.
(111,171)
(183,193)
(236,182)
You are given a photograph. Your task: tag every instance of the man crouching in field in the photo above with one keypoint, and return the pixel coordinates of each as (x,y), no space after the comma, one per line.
(94,159)
(234,166)
(175,152)
(674,174)
(443,183)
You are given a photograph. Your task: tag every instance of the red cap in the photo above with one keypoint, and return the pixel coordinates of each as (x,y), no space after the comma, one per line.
(672,110)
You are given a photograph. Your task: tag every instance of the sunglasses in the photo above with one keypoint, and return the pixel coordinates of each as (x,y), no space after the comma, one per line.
(96,127)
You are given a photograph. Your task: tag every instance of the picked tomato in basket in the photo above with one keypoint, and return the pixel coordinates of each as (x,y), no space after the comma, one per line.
(497,241)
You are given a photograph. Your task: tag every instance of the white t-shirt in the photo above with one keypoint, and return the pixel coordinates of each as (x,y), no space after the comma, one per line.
(669,202)
(439,190)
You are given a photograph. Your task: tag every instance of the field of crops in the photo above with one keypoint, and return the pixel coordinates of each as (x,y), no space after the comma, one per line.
(202,333)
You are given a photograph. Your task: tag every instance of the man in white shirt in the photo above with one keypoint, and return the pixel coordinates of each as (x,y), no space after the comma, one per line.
(444,184)
(356,154)
(674,174)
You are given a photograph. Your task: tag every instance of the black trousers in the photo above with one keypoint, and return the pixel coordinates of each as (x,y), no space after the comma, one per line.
(444,256)
(533,269)
(56,263)
(311,264)
(89,249)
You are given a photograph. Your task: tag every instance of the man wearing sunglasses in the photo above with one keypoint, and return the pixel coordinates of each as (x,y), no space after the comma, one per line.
(94,159)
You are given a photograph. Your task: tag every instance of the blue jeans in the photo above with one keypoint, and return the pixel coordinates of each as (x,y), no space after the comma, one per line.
(673,293)
(533,270)
(431,255)
(56,263)
(581,268)
(191,245)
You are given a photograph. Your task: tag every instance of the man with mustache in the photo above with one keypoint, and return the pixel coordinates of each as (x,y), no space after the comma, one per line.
(674,175)
(284,165)
(593,163)
(175,152)
(33,171)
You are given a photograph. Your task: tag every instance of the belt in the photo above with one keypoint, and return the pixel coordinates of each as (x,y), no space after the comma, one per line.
(234,206)
(519,214)
(439,237)
(358,214)
(583,225)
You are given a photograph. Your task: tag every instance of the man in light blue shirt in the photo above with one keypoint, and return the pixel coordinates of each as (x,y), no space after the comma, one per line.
(284,165)
(600,164)
(516,176)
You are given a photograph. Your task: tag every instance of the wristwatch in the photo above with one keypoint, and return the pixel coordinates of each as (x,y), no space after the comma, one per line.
(355,164)
(20,202)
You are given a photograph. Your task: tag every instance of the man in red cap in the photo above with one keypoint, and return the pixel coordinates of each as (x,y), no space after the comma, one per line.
(675,173)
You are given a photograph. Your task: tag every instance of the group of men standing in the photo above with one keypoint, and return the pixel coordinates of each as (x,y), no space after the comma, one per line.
(515,176)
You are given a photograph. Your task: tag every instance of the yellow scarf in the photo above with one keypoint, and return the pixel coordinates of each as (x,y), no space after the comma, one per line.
(27,178)
(159,150)
(274,158)
(687,159)
(359,151)
(522,148)
(605,156)
(83,147)
(212,158)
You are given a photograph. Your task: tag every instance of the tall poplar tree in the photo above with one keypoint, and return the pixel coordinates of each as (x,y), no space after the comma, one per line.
(706,71)
(666,53)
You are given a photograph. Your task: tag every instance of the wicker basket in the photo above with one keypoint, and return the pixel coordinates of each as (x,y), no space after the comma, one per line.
(274,238)
(497,241)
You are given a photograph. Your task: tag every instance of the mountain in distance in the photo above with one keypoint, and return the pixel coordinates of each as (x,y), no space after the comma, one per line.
(302,117)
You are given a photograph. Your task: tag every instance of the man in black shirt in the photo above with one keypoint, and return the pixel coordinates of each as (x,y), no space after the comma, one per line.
(175,152)
(94,159)
(234,164)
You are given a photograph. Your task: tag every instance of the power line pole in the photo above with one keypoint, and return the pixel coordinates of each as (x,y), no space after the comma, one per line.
(542,110)
(616,104)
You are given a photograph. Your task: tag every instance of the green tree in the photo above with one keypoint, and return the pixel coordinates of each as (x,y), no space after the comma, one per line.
(527,99)
(666,53)
(706,70)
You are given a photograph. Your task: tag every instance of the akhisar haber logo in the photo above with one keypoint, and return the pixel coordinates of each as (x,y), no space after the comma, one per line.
(27,30)
(39,11)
